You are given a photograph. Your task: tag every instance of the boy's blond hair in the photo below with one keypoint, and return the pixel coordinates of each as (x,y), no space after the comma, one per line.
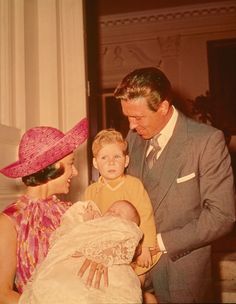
(108,136)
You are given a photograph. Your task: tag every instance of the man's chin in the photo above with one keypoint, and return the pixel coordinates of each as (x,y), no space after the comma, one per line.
(144,136)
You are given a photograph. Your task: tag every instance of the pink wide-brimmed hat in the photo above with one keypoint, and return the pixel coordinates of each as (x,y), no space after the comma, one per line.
(43,146)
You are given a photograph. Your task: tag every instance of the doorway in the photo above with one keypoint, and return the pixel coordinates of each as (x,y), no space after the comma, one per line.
(222,82)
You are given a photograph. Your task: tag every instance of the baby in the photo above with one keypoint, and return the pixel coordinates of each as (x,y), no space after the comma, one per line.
(109,240)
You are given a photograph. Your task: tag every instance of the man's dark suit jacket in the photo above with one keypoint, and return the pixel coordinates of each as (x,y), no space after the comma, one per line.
(192,192)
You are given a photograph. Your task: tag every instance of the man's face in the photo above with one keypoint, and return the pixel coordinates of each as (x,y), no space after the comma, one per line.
(146,122)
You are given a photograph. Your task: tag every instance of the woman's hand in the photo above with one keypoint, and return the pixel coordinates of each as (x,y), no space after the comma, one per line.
(96,272)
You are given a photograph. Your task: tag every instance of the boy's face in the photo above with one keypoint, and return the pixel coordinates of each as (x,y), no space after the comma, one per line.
(111,161)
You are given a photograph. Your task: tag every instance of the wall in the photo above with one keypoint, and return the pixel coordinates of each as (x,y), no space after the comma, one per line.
(42,78)
(173,39)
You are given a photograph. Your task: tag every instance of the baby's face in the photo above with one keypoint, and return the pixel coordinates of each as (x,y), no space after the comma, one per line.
(117,211)
(120,209)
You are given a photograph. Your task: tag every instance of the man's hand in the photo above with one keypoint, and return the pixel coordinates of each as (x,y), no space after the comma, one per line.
(96,271)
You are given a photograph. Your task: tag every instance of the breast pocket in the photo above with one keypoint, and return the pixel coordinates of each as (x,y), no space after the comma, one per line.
(188,190)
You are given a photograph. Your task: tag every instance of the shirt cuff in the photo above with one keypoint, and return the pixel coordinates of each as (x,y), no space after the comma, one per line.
(160,243)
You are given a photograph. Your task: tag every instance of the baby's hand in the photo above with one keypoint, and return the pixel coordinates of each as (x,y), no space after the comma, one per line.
(90,213)
(145,258)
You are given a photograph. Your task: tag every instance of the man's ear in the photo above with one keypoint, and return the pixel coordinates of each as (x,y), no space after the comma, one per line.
(164,107)
(95,163)
(126,160)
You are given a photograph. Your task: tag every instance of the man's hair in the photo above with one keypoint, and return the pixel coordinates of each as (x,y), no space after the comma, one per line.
(43,176)
(108,136)
(150,83)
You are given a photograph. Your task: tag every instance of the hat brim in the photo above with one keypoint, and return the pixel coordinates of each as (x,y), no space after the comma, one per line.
(66,145)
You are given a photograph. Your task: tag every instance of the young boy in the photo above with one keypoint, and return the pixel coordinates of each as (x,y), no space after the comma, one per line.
(110,158)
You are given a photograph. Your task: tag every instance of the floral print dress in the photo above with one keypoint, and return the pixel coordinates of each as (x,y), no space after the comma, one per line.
(34,221)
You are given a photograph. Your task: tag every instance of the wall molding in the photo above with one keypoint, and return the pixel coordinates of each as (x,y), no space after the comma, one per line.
(161,37)
(170,14)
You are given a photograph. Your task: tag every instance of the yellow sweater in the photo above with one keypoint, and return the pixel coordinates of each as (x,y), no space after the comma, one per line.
(126,188)
(131,189)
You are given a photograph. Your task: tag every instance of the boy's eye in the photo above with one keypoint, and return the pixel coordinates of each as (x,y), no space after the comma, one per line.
(117,156)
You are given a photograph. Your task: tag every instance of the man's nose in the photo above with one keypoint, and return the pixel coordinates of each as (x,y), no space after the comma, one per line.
(132,123)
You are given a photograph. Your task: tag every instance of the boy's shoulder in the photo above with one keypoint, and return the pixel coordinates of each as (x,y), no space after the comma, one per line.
(129,179)
(93,184)
(133,179)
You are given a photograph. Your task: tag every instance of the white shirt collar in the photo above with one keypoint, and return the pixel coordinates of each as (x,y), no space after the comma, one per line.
(166,132)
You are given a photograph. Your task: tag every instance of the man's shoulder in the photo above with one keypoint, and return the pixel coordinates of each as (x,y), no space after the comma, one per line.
(200,128)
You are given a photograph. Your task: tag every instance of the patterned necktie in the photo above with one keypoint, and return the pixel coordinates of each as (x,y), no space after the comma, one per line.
(151,158)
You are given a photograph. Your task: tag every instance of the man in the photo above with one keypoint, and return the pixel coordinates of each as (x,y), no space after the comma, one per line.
(185,167)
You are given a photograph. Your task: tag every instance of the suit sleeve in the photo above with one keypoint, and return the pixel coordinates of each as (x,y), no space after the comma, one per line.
(216,198)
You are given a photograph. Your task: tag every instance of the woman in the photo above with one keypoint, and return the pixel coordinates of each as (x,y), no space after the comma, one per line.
(46,167)
(110,240)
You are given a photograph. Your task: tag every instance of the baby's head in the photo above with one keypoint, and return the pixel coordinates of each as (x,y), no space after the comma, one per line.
(125,210)
(110,154)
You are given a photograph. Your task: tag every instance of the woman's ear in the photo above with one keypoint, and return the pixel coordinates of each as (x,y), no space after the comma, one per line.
(95,163)
(57,164)
(126,160)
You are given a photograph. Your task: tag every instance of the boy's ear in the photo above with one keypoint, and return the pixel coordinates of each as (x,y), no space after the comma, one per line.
(95,163)
(126,161)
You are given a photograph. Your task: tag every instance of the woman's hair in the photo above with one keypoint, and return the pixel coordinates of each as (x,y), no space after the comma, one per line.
(108,136)
(43,176)
(150,83)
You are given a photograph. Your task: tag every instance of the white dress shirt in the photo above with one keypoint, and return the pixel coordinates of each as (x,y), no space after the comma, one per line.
(163,139)
(166,133)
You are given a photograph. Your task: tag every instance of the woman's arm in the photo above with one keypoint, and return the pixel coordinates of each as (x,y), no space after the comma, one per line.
(7,261)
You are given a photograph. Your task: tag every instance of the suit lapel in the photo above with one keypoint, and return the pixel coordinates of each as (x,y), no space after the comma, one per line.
(138,152)
(173,159)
